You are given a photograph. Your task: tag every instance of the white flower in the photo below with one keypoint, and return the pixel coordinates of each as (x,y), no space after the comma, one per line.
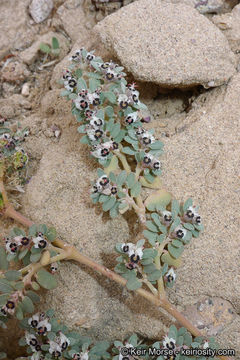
(171,276)
(103,184)
(96,122)
(94,134)
(31,339)
(180,232)
(93,98)
(169,343)
(147,160)
(147,138)
(11,246)
(191,215)
(43,327)
(123,101)
(128,248)
(70,83)
(166,217)
(5,136)
(205,345)
(39,242)
(131,118)
(34,320)
(55,349)
(77,56)
(54,267)
(102,150)
(81,103)
(134,253)
(63,341)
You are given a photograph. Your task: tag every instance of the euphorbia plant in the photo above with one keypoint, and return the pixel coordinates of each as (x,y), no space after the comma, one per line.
(112,119)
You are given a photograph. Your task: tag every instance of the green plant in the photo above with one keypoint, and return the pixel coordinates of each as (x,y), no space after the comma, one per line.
(53,50)
(110,117)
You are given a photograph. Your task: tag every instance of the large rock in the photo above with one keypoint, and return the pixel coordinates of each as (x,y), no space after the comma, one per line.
(14,30)
(230,25)
(202,161)
(168,44)
(73,19)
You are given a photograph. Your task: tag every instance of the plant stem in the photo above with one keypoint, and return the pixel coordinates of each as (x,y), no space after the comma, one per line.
(150,286)
(161,290)
(71,253)
(123,160)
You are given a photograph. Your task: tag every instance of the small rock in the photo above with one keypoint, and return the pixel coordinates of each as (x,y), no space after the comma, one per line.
(171,45)
(230,25)
(40,9)
(25,89)
(209,315)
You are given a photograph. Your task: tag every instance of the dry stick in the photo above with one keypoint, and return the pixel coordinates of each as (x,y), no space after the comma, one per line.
(74,254)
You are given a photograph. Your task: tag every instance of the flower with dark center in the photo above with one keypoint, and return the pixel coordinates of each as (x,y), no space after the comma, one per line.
(123,104)
(180,234)
(98,134)
(157,165)
(42,244)
(114,190)
(104,181)
(96,102)
(88,113)
(25,241)
(190,214)
(140,131)
(39,242)
(38,347)
(42,330)
(72,83)
(90,57)
(54,267)
(135,98)
(115,145)
(34,323)
(96,122)
(110,75)
(13,247)
(104,152)
(125,248)
(94,189)
(147,160)
(171,275)
(129,120)
(10,305)
(169,343)
(3,311)
(198,219)
(83,104)
(135,258)
(76,356)
(33,342)
(56,354)
(167,218)
(105,66)
(146,140)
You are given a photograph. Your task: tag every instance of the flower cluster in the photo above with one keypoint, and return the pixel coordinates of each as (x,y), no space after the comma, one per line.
(191,215)
(10,147)
(37,337)
(104,186)
(134,253)
(17,243)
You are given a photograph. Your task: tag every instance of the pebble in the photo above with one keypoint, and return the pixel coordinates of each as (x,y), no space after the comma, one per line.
(25,89)
(40,10)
